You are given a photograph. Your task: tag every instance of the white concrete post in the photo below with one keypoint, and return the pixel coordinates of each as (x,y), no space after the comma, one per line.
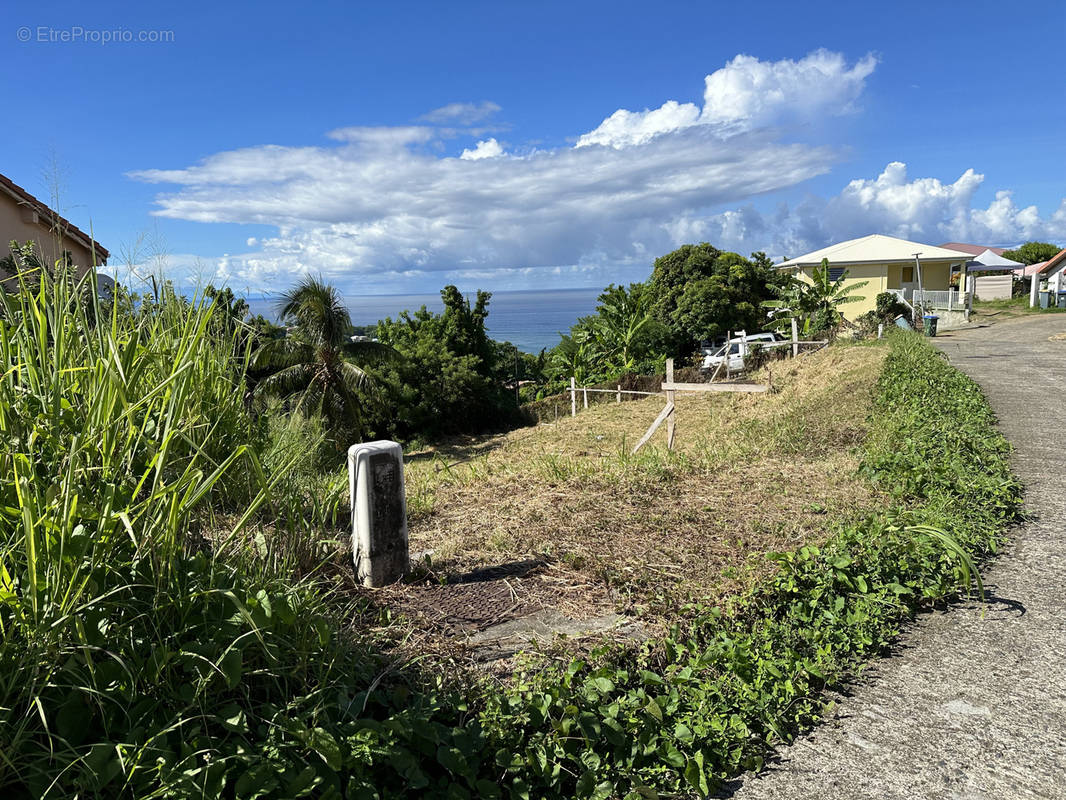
(671,399)
(379,512)
(619,393)
(573,396)
(795,338)
(585,392)
(880,330)
(1034,290)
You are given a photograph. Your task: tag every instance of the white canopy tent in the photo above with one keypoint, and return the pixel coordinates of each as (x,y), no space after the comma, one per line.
(989,261)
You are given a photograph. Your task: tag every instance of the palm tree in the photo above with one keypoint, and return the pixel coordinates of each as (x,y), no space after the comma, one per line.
(816,304)
(621,325)
(315,363)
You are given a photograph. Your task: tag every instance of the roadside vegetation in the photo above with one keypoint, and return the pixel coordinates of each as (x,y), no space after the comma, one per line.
(999,310)
(173,623)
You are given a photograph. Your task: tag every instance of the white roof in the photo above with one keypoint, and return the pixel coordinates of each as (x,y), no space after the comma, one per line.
(876,249)
(989,260)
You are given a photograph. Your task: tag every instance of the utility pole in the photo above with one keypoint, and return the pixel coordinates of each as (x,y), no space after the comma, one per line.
(920,305)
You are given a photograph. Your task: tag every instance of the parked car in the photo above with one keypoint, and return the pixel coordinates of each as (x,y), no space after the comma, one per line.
(738,347)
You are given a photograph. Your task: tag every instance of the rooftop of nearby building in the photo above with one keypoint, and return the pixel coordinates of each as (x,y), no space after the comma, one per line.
(973,249)
(876,249)
(50,217)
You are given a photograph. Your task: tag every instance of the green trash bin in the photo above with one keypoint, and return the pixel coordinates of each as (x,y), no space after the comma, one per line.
(929,324)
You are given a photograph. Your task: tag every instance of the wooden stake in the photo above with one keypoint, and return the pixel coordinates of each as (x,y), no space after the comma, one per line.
(666,412)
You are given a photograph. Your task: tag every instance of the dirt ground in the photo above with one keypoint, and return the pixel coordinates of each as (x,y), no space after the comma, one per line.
(561,518)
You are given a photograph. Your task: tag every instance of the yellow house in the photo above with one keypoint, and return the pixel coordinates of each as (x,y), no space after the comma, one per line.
(912,270)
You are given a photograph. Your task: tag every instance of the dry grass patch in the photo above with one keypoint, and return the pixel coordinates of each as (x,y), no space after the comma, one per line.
(751,474)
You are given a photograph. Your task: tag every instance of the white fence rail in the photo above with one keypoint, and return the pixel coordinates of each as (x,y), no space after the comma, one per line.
(950,299)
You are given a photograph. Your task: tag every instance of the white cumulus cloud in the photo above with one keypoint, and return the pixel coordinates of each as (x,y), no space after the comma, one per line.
(746,93)
(761,92)
(488,148)
(625,128)
(386,207)
(923,209)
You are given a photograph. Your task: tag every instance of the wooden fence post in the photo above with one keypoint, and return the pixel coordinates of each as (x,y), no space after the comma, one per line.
(671,396)
(795,338)
(573,396)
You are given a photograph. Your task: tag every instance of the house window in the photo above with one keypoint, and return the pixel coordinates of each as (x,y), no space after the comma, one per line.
(836,273)
(908,274)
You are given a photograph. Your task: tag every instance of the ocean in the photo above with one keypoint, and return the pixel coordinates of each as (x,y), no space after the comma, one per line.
(531,320)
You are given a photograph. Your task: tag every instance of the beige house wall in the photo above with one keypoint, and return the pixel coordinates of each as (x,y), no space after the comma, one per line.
(882,277)
(20,223)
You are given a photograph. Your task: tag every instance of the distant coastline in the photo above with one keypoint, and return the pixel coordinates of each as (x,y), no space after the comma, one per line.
(530,319)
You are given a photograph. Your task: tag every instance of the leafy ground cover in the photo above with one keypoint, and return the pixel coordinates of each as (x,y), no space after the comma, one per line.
(711,697)
(157,640)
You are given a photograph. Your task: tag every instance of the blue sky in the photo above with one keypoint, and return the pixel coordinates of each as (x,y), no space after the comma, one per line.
(267,140)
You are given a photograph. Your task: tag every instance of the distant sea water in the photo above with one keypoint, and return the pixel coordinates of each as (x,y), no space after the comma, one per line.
(531,320)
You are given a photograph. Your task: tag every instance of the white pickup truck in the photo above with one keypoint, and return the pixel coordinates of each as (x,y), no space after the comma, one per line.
(738,347)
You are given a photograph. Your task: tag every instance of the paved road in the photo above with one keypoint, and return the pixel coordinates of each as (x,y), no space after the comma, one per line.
(974,704)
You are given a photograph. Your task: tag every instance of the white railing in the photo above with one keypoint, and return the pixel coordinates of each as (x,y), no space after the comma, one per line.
(950,299)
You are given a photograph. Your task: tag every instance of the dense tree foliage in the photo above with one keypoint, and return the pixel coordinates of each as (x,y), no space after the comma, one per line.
(700,292)
(448,377)
(1032,252)
(622,336)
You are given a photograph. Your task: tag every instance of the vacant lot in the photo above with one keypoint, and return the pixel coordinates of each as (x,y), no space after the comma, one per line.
(561,516)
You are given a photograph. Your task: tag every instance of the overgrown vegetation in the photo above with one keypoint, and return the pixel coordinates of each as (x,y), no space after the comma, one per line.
(154,641)
(448,376)
(887,308)
(713,696)
(701,292)
(815,304)
(142,652)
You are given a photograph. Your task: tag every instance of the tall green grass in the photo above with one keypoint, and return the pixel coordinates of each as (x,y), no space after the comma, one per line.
(142,652)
